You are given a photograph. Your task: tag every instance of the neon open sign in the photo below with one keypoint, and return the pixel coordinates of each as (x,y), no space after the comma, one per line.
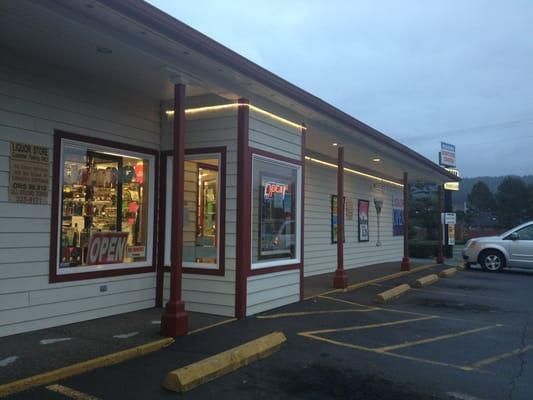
(272,188)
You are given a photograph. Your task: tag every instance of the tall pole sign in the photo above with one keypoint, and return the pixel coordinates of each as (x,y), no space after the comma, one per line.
(447,160)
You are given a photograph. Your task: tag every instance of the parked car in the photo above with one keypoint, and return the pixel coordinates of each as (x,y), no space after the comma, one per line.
(513,248)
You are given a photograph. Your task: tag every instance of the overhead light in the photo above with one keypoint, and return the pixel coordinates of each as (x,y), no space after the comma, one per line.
(376,159)
(104,50)
(334,144)
(354,171)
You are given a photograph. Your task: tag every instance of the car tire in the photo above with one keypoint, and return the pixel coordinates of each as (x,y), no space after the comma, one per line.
(492,260)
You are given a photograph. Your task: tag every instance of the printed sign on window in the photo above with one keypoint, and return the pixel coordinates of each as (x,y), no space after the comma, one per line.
(397,215)
(364,232)
(107,248)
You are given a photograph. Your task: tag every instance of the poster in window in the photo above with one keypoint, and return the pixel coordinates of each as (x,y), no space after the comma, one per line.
(362,217)
(397,215)
(276,223)
(334,222)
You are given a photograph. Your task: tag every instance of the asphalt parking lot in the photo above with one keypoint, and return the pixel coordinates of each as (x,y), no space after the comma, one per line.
(465,337)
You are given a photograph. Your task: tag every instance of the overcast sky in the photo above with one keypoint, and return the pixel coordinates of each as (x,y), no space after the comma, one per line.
(419,71)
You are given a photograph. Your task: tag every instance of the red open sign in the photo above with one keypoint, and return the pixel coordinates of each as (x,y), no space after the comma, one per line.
(273,187)
(107,248)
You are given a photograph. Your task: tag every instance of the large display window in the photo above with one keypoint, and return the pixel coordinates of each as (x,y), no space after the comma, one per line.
(276,211)
(204,210)
(105,208)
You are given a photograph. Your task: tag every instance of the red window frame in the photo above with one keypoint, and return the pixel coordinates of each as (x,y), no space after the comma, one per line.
(54,277)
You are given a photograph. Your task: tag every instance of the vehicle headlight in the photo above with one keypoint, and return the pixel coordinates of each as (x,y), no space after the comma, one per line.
(470,243)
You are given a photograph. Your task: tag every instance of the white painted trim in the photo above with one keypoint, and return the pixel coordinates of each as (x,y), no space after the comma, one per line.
(298,196)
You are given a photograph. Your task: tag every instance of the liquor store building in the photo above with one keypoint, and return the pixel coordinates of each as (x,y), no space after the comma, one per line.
(143,165)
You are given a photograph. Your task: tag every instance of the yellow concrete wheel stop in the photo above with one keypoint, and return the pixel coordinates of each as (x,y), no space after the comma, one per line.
(447,273)
(391,294)
(425,281)
(193,375)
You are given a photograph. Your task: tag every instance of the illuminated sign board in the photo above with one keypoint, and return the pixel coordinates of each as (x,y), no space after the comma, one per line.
(272,188)
(447,155)
(452,185)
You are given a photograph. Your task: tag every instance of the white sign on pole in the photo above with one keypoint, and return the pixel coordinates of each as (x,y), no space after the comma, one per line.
(448,218)
(447,155)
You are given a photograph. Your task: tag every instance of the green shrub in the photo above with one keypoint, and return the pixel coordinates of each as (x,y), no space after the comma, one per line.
(423,248)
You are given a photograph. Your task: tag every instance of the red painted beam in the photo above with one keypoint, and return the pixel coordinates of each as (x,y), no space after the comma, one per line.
(340,281)
(244,209)
(174,321)
(405,260)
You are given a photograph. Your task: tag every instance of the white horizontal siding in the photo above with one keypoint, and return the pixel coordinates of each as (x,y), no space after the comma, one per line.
(36,99)
(265,292)
(273,136)
(320,254)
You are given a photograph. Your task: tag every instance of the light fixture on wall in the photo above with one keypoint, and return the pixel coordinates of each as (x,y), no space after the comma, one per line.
(376,159)
(335,144)
(197,110)
(354,171)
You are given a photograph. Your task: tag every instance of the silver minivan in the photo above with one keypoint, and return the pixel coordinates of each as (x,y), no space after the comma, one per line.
(513,248)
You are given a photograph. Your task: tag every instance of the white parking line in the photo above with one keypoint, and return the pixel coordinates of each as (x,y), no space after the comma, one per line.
(9,360)
(125,335)
(55,340)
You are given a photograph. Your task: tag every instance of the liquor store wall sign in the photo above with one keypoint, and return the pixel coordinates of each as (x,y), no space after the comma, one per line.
(29,171)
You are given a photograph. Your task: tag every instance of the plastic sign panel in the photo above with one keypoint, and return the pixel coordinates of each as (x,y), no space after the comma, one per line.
(447,155)
(449,218)
(107,248)
(451,235)
(452,185)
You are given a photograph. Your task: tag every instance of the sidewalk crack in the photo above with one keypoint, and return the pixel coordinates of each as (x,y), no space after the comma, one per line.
(523,362)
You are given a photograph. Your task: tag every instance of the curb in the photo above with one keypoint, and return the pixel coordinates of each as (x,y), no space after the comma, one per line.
(447,273)
(393,293)
(84,366)
(425,281)
(188,377)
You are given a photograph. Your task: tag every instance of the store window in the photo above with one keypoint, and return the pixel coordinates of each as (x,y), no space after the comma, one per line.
(105,208)
(275,212)
(203,211)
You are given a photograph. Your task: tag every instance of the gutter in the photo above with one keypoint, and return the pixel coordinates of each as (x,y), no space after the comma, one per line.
(148,15)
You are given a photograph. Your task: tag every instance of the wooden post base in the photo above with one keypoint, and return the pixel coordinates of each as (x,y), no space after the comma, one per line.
(175,321)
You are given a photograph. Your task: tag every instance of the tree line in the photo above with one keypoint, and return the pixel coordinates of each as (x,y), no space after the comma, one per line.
(510,205)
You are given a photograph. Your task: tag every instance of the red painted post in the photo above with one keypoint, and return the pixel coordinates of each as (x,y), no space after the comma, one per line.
(340,281)
(174,321)
(405,260)
(244,207)
(303,145)
(440,254)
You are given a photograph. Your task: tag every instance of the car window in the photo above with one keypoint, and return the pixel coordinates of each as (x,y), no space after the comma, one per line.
(526,233)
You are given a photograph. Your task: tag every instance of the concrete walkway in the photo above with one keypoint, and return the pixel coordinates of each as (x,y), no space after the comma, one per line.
(317,284)
(32,353)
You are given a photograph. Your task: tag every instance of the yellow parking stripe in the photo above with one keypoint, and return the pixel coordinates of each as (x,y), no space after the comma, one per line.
(502,356)
(71,393)
(371,326)
(204,328)
(302,313)
(357,347)
(393,310)
(436,338)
